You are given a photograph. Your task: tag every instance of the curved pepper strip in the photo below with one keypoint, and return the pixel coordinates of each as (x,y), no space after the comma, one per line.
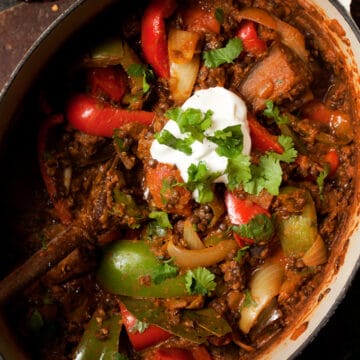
(251,42)
(92,348)
(87,114)
(153,35)
(152,335)
(128,267)
(60,205)
(261,139)
(240,212)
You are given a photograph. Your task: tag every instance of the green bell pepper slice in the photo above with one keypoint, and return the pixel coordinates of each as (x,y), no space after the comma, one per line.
(298,232)
(92,348)
(128,267)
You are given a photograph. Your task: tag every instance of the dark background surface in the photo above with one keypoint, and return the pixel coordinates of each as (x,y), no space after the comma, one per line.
(339,339)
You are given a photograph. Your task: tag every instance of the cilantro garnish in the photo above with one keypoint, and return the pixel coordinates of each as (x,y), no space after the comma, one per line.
(273,112)
(241,253)
(260,228)
(164,271)
(229,141)
(268,173)
(139,326)
(199,281)
(191,121)
(216,57)
(166,185)
(161,218)
(219,15)
(249,300)
(238,171)
(165,137)
(201,179)
(321,178)
(139,70)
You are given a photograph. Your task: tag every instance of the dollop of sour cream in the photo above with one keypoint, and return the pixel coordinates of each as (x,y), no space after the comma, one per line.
(228,110)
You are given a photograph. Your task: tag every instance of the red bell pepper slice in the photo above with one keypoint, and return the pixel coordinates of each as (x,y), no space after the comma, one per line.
(94,117)
(153,35)
(317,111)
(198,19)
(151,336)
(251,42)
(109,81)
(61,208)
(332,158)
(261,139)
(195,353)
(240,212)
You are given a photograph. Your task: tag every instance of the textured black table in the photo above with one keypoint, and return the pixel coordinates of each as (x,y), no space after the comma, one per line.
(339,339)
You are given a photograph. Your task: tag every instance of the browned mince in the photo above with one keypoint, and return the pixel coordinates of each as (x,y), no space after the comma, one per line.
(70,287)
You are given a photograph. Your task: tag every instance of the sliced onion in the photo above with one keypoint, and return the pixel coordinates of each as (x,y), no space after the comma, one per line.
(264,286)
(186,258)
(182,79)
(182,45)
(289,35)
(259,16)
(292,38)
(191,237)
(317,254)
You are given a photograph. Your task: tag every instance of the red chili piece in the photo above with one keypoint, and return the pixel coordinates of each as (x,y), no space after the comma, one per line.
(60,205)
(261,139)
(108,81)
(332,158)
(250,39)
(153,35)
(240,212)
(195,353)
(94,117)
(198,19)
(151,336)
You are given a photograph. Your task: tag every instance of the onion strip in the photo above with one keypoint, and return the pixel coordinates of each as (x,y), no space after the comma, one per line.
(289,35)
(186,258)
(264,286)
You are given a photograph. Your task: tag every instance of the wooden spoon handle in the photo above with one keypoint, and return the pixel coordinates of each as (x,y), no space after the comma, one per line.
(42,261)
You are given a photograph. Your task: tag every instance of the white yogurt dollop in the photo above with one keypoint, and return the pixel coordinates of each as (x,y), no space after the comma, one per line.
(228,110)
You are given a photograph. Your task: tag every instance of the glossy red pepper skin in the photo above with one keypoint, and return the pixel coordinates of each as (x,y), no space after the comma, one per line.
(250,39)
(261,139)
(109,81)
(94,117)
(240,212)
(198,19)
(332,158)
(61,208)
(151,336)
(153,35)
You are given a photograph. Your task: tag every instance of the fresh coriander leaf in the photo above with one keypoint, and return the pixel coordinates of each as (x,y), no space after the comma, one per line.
(165,137)
(268,173)
(238,171)
(241,253)
(139,326)
(229,141)
(219,15)
(191,121)
(290,153)
(199,281)
(321,178)
(201,179)
(120,144)
(216,57)
(249,300)
(164,271)
(139,70)
(273,112)
(166,185)
(162,219)
(260,228)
